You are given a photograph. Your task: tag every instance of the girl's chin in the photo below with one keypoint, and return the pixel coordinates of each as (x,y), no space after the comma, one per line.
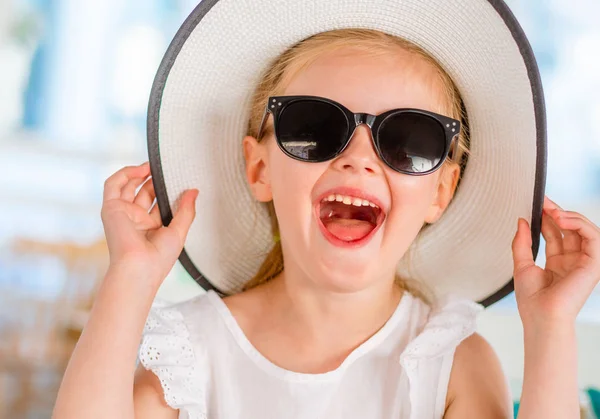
(345,272)
(345,285)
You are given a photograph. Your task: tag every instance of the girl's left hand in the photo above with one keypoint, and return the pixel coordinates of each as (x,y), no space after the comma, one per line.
(555,295)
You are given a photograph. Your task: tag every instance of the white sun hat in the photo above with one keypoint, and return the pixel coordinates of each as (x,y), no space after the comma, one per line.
(200,106)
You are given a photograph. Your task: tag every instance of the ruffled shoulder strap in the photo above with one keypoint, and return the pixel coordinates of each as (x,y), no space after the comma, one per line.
(427,359)
(167,350)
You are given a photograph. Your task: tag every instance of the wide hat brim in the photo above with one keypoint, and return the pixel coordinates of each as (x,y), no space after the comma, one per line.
(199,110)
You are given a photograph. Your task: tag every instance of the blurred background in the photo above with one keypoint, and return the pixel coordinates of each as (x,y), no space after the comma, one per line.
(74,83)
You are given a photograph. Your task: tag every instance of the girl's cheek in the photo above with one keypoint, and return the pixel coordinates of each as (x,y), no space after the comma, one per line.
(412,197)
(413,189)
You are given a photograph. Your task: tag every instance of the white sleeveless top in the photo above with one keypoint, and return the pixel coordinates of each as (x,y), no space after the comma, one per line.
(209,369)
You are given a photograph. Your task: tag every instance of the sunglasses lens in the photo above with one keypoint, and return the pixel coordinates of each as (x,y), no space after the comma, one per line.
(312,130)
(412,142)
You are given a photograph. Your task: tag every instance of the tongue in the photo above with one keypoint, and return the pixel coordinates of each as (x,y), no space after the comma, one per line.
(348,229)
(348,222)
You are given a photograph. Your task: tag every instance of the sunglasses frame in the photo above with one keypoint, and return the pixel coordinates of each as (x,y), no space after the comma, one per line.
(277,104)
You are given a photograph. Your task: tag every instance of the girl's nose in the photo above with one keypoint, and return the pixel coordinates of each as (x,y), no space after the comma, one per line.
(360,155)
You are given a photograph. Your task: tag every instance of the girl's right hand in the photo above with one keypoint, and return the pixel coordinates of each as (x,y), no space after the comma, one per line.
(137,241)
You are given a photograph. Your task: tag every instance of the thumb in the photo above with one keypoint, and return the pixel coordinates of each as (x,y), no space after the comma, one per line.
(521,248)
(185,214)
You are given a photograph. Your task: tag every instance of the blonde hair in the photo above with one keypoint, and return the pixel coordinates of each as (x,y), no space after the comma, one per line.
(299,56)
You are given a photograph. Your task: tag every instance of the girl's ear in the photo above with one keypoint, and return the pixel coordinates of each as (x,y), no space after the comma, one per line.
(257,172)
(446,187)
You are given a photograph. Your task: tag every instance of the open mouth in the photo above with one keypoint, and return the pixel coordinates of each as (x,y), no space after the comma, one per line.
(348,218)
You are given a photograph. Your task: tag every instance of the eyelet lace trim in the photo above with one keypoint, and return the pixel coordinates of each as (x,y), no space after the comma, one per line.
(451,321)
(166,350)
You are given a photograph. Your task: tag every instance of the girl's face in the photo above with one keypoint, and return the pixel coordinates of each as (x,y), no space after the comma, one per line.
(331,244)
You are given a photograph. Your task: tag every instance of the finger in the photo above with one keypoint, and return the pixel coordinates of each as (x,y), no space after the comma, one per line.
(129,190)
(119,216)
(552,235)
(155,213)
(115,183)
(571,239)
(550,204)
(147,222)
(590,237)
(145,196)
(573,214)
(185,214)
(521,248)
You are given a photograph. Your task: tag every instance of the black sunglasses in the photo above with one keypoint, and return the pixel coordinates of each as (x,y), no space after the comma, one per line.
(317,129)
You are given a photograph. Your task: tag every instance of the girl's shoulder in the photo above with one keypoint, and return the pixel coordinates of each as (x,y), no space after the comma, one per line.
(182,317)
(174,348)
(439,326)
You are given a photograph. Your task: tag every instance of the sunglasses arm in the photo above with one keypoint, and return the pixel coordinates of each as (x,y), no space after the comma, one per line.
(262,123)
(453,146)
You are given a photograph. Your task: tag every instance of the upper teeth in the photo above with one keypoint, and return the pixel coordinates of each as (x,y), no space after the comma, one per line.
(349,200)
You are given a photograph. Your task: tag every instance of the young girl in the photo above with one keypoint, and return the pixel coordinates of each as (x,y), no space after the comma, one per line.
(356,140)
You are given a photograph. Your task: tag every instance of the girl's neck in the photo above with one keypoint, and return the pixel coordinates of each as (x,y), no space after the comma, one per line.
(318,315)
